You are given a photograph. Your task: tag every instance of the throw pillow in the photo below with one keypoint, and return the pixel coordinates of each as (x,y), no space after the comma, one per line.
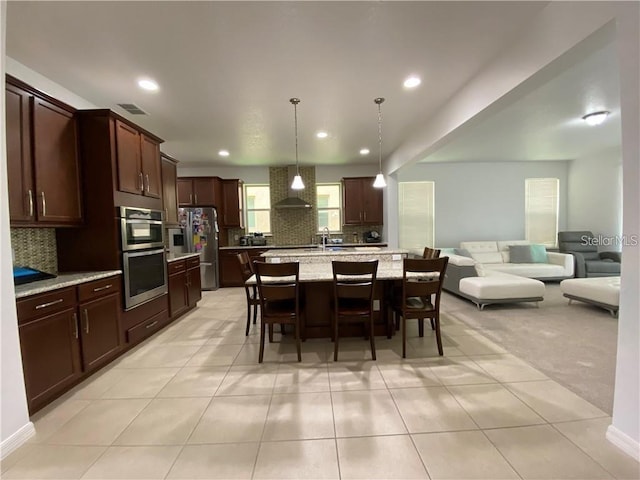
(539,253)
(462,251)
(520,254)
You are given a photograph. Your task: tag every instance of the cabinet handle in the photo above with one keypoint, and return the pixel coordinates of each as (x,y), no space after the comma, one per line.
(195,196)
(48,304)
(152,324)
(147,179)
(365,216)
(30,203)
(86,321)
(360,216)
(190,198)
(99,289)
(44,205)
(141,181)
(75,325)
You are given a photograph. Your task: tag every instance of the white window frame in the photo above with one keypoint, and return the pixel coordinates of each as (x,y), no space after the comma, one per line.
(339,208)
(416,208)
(542,198)
(247,209)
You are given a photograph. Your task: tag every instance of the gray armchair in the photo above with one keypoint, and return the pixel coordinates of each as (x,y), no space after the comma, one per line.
(588,261)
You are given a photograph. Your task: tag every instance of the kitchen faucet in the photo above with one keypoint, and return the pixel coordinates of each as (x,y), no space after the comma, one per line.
(326,235)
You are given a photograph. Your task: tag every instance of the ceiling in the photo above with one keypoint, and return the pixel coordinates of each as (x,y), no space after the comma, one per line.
(226,71)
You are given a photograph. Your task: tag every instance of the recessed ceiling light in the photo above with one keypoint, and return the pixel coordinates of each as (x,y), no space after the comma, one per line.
(596,118)
(364,151)
(223,153)
(147,84)
(322,134)
(412,82)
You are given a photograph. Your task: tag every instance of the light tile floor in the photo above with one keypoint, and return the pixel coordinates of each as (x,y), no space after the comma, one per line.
(192,402)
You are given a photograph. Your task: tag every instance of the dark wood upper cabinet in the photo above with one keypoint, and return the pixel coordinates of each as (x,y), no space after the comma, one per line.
(138,161)
(19,163)
(231,214)
(199,191)
(362,203)
(169,190)
(42,158)
(151,166)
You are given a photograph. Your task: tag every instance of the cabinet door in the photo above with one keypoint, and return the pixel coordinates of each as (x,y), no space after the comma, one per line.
(352,201)
(56,164)
(178,301)
(230,275)
(204,191)
(100,330)
(50,355)
(130,177)
(150,161)
(169,192)
(185,192)
(19,171)
(231,204)
(372,203)
(194,285)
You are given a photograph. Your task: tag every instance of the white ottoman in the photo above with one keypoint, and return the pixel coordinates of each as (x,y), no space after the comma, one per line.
(496,287)
(601,291)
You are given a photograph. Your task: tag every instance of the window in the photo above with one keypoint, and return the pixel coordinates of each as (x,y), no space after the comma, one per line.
(416,215)
(258,207)
(541,210)
(329,205)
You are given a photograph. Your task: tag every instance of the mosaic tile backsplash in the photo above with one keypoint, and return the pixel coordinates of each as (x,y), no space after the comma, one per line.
(293,226)
(35,247)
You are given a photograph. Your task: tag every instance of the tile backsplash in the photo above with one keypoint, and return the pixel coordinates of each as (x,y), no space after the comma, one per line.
(293,226)
(35,247)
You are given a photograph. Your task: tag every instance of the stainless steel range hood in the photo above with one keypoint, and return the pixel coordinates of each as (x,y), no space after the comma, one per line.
(293,200)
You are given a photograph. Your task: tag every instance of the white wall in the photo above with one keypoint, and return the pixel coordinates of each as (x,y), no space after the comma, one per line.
(595,194)
(483,201)
(625,429)
(15,427)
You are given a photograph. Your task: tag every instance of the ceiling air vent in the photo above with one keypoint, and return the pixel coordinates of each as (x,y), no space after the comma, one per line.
(132,108)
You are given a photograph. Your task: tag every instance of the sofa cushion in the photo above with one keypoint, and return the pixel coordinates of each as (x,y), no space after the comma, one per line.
(503,245)
(462,251)
(487,257)
(539,253)
(520,254)
(480,247)
(529,270)
(599,289)
(501,286)
(603,266)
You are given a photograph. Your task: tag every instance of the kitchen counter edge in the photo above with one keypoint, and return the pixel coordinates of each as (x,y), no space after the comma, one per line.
(61,281)
(280,247)
(173,257)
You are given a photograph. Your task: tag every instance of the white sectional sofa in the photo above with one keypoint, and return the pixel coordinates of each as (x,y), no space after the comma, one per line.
(494,255)
(484,272)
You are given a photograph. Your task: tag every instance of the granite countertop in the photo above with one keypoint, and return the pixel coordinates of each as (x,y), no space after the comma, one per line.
(337,250)
(297,247)
(61,281)
(172,257)
(322,272)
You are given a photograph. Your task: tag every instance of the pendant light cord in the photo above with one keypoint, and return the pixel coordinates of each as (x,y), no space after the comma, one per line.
(295,102)
(378,101)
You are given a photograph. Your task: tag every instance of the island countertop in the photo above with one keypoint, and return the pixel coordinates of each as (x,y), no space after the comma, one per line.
(333,252)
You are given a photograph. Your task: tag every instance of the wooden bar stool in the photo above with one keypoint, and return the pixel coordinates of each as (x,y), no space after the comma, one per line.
(246,270)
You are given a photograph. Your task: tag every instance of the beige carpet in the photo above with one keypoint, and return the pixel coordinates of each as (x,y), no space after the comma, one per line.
(573,344)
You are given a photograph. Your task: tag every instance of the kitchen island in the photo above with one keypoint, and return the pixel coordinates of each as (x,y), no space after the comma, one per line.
(316,287)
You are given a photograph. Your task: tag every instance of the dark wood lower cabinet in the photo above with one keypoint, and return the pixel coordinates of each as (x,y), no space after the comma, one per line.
(100,334)
(185,287)
(50,356)
(62,341)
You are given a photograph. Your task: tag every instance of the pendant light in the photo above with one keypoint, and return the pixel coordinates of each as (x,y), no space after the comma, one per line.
(379,182)
(297,183)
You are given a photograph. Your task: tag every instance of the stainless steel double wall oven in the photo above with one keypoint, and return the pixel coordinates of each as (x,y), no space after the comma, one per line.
(143,255)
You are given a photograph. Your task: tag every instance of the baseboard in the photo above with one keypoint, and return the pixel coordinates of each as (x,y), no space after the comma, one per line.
(624,442)
(16,440)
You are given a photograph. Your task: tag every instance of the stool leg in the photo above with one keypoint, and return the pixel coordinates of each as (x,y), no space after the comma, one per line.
(421,327)
(297,327)
(246,333)
(261,355)
(404,337)
(371,337)
(335,347)
(438,336)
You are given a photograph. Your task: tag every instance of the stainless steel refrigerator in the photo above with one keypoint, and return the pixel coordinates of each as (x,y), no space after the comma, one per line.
(200,228)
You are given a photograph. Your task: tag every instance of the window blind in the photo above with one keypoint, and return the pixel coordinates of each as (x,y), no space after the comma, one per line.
(541,210)
(416,214)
